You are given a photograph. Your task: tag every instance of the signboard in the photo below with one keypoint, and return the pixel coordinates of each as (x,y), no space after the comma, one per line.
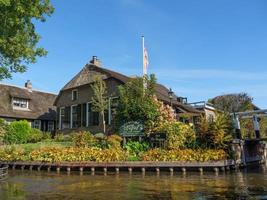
(131,129)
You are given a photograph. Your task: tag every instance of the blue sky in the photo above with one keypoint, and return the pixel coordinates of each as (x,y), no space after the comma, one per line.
(200,49)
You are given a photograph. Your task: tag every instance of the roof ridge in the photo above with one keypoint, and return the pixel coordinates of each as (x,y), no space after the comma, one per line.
(19,87)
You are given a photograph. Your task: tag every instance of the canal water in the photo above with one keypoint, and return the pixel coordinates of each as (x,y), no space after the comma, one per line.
(244,184)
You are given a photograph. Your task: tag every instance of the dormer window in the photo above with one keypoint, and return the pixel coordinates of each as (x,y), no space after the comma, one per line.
(20,103)
(74,96)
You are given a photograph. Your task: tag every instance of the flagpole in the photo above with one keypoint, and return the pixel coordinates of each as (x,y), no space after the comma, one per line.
(143,52)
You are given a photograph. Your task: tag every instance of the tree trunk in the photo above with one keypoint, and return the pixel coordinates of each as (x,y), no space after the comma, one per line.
(103,121)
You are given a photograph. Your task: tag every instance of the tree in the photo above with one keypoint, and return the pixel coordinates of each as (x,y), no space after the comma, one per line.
(233,102)
(18,38)
(99,100)
(136,103)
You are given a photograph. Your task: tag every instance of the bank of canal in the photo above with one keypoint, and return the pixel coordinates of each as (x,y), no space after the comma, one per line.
(248,183)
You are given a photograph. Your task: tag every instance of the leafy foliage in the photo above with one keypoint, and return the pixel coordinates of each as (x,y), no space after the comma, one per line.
(3,129)
(18,38)
(135,149)
(18,132)
(35,135)
(201,155)
(136,102)
(179,135)
(84,139)
(215,134)
(233,102)
(99,100)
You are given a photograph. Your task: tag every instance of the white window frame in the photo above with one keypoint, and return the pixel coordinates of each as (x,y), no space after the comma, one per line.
(72,96)
(20,99)
(60,120)
(71,120)
(38,125)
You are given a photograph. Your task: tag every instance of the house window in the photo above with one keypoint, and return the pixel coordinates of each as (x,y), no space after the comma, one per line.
(20,103)
(74,116)
(50,126)
(74,96)
(37,124)
(92,117)
(64,117)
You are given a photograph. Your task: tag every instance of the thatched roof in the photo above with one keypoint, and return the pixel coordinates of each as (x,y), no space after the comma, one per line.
(86,76)
(40,103)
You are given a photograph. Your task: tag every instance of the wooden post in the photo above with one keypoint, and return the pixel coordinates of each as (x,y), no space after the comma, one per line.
(39,168)
(58,169)
(22,167)
(200,170)
(143,170)
(130,170)
(105,170)
(117,170)
(184,170)
(68,169)
(92,169)
(81,169)
(48,168)
(31,168)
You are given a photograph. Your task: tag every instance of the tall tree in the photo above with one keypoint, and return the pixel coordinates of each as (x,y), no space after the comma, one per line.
(137,102)
(18,38)
(99,100)
(233,102)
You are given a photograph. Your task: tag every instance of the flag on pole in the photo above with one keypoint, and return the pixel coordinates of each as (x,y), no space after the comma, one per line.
(145,57)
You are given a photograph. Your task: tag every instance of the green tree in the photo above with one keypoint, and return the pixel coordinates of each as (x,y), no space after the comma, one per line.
(99,100)
(18,38)
(136,102)
(233,102)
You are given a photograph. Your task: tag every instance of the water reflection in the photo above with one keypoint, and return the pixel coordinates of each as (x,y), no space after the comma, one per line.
(251,184)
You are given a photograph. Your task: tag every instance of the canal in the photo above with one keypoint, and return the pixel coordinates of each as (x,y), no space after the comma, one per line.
(244,184)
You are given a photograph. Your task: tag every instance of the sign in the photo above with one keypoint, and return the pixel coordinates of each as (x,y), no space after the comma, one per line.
(131,129)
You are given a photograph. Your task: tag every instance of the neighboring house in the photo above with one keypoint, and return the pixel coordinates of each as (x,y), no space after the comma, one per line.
(207,108)
(17,103)
(74,106)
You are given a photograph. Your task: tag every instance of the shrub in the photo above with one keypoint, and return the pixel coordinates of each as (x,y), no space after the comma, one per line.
(12,153)
(35,135)
(47,136)
(135,149)
(18,132)
(200,155)
(84,139)
(215,134)
(179,135)
(77,154)
(114,141)
(3,129)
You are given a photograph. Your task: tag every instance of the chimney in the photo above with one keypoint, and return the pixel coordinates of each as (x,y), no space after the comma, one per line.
(95,61)
(28,85)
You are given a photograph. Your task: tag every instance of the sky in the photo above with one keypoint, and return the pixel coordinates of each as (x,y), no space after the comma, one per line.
(200,49)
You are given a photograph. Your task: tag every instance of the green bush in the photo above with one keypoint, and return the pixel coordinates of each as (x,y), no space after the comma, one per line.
(179,135)
(84,139)
(114,141)
(47,136)
(18,132)
(3,129)
(35,135)
(134,149)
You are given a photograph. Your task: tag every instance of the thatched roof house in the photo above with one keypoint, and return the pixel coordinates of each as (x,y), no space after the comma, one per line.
(17,103)
(76,95)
